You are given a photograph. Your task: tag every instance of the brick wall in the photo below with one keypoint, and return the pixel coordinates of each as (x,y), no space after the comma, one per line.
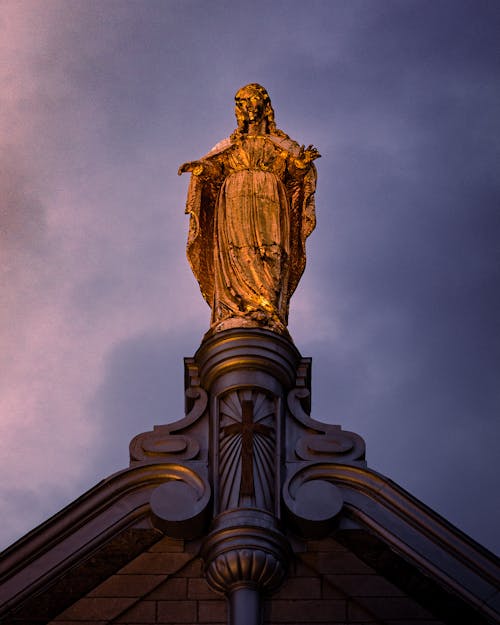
(327,584)
(162,585)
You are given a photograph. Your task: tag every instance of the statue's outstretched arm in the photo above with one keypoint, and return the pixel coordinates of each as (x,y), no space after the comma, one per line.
(190,166)
(210,168)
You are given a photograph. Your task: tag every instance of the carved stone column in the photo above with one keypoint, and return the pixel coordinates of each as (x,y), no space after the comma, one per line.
(247,374)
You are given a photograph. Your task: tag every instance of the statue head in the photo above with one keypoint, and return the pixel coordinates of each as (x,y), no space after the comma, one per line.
(253,105)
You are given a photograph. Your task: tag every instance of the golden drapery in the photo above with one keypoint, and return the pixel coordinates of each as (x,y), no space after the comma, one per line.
(251,201)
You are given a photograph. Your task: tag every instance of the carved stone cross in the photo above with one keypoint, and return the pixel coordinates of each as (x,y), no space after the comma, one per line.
(247,428)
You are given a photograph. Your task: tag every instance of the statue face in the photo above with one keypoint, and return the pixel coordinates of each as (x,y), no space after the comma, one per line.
(250,106)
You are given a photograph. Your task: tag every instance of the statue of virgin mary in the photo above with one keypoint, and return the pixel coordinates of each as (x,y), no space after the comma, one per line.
(251,202)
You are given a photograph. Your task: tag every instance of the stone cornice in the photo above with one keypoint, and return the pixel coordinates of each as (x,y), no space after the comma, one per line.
(82,528)
(411,529)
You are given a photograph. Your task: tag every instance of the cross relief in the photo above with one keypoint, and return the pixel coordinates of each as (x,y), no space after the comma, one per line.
(247,428)
(253,442)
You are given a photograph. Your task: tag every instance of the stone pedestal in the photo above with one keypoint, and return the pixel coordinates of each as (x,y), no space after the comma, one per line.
(251,460)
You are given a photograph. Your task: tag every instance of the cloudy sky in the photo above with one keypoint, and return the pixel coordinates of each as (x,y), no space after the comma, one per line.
(399,307)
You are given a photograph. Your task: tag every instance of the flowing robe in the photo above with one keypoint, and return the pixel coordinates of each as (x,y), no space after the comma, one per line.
(251,202)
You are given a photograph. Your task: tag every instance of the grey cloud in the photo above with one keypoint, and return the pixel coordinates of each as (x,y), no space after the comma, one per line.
(22,213)
(142,387)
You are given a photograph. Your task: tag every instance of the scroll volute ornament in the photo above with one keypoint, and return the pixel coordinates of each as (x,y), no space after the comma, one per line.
(251,202)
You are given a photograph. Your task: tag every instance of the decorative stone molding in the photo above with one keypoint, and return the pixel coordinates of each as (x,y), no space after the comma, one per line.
(312,504)
(176,440)
(161,443)
(308,439)
(180,507)
(235,356)
(247,426)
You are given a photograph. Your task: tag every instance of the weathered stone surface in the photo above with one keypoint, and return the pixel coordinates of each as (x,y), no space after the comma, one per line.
(199,588)
(177,611)
(360,586)
(212,611)
(127,586)
(317,590)
(300,588)
(96,607)
(172,588)
(156,563)
(143,612)
(315,611)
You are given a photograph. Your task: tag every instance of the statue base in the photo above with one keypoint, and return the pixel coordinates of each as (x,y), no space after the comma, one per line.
(258,320)
(247,460)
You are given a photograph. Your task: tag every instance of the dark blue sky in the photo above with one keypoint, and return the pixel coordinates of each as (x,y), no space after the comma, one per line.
(400,303)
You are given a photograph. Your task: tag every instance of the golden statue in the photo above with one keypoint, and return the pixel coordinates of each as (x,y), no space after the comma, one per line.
(251,201)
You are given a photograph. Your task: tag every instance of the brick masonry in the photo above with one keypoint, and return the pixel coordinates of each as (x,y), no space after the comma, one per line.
(326,584)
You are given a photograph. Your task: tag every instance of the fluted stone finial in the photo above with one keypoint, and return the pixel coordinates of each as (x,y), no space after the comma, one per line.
(245,549)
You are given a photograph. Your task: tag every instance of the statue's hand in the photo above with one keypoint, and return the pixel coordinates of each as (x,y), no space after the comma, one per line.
(309,154)
(190,166)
